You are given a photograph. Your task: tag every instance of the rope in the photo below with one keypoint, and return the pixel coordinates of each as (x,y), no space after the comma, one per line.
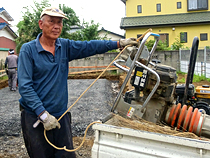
(64,148)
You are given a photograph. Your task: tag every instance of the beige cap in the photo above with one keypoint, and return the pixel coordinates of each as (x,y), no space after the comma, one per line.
(52,11)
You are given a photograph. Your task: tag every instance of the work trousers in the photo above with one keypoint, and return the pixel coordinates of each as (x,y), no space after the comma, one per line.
(38,147)
(12,79)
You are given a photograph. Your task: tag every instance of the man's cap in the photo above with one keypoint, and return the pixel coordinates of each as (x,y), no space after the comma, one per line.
(53,11)
(11,51)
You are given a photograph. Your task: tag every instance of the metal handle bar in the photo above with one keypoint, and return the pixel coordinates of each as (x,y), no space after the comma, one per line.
(119,66)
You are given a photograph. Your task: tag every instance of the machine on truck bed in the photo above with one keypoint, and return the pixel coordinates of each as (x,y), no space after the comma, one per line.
(186,93)
(152,98)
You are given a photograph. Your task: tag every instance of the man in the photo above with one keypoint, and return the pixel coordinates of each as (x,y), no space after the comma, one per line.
(11,61)
(42,79)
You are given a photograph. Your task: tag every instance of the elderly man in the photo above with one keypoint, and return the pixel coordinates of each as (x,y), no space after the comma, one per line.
(42,79)
(12,61)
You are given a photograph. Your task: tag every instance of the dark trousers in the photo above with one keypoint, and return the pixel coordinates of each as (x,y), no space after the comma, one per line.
(36,144)
(12,79)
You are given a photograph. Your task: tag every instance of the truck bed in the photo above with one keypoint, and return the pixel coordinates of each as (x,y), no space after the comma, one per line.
(119,142)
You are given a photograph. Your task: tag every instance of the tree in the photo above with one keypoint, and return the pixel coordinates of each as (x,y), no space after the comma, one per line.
(87,33)
(72,20)
(160,47)
(177,44)
(28,28)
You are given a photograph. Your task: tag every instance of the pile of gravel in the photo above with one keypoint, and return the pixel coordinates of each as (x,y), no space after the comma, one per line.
(94,105)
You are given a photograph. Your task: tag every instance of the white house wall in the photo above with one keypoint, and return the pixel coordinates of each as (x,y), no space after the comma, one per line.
(113,37)
(3,55)
(109,36)
(5,33)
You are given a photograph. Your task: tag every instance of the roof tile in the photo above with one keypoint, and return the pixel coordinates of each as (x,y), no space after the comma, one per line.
(169,19)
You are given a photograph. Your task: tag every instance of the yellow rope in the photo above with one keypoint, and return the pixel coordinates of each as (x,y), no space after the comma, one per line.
(71,150)
(64,148)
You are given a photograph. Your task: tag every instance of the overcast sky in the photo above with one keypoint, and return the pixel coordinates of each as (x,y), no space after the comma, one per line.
(107,13)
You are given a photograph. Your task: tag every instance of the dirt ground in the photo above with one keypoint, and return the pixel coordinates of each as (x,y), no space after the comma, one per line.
(13,146)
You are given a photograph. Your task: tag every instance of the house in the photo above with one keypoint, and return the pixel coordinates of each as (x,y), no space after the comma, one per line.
(75,28)
(171,19)
(110,35)
(102,33)
(7,35)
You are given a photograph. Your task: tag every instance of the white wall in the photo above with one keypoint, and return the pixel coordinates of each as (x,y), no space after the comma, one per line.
(3,55)
(109,36)
(5,33)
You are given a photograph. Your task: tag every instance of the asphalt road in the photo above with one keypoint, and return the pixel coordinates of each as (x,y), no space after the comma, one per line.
(94,105)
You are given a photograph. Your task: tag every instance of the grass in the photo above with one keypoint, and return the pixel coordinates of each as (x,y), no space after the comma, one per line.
(4,78)
(196,78)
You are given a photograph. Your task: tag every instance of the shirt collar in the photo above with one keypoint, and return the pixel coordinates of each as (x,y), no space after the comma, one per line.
(39,46)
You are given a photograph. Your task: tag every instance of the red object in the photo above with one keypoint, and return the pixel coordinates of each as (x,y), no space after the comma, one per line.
(191,120)
(181,116)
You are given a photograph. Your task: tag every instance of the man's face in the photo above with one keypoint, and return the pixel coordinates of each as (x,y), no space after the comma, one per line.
(51,26)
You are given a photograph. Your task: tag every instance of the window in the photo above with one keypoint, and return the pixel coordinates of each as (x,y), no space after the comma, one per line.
(158,7)
(179,5)
(204,36)
(197,5)
(164,38)
(139,9)
(183,37)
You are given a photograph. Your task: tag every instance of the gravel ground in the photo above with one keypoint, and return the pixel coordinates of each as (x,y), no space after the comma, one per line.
(94,105)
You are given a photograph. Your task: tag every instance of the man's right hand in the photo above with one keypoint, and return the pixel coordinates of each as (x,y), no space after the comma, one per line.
(129,41)
(6,70)
(49,121)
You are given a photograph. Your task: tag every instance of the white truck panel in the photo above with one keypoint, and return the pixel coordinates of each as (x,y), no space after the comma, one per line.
(118,142)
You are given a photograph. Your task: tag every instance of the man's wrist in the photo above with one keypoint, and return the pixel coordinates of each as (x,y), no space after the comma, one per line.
(43,116)
(118,44)
(41,113)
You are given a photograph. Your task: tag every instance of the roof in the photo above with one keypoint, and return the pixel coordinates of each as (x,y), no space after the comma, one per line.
(166,20)
(6,26)
(6,14)
(76,27)
(4,49)
(109,32)
(2,25)
(124,1)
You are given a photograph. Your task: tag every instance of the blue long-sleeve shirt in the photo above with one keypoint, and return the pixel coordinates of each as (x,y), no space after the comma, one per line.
(42,77)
